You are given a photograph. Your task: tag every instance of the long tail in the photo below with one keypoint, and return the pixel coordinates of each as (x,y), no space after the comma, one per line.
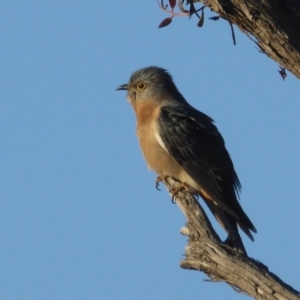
(229,223)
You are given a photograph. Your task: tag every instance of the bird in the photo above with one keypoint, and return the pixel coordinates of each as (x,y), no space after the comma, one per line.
(180,142)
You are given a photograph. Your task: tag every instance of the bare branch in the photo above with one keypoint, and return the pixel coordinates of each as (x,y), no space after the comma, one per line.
(205,252)
(272,24)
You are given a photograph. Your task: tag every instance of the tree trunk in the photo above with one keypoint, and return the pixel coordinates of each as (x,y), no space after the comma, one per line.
(274,25)
(205,252)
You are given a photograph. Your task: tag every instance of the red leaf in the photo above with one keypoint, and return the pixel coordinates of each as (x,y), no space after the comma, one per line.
(172,3)
(165,22)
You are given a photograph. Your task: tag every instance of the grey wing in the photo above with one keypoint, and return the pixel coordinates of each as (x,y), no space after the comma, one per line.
(194,141)
(196,144)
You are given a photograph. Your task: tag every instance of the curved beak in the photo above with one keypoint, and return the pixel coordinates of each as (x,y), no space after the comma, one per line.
(123,87)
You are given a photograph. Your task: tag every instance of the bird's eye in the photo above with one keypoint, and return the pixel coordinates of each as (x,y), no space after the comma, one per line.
(140,85)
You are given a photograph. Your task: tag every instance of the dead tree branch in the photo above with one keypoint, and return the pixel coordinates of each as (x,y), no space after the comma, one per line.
(272,24)
(205,252)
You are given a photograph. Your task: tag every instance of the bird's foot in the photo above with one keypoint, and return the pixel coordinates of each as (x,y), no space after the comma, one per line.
(182,187)
(159,179)
(174,191)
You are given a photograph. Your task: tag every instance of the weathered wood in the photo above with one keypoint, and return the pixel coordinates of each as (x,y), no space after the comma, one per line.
(205,252)
(272,24)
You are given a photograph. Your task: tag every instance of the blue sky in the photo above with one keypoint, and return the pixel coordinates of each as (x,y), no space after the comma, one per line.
(80,217)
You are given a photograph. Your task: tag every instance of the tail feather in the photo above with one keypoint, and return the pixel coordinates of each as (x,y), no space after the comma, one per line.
(230,225)
(246,230)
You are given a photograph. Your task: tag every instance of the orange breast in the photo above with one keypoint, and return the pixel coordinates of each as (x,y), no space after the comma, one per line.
(158,159)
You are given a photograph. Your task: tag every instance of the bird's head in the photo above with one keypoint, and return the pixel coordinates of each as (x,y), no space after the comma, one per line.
(152,83)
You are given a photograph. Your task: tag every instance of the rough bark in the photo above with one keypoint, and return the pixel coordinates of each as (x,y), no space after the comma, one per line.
(272,24)
(205,252)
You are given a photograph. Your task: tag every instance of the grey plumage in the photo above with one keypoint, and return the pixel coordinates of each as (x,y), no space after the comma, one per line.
(193,141)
